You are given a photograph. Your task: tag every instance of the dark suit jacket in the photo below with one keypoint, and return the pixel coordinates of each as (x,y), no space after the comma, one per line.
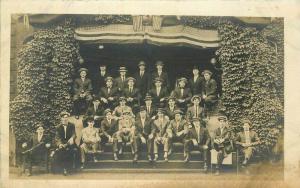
(119,84)
(190,113)
(152,111)
(187,94)
(158,130)
(156,99)
(196,87)
(60,134)
(135,94)
(225,135)
(142,83)
(99,82)
(242,138)
(143,131)
(109,129)
(209,88)
(86,86)
(164,76)
(104,93)
(204,137)
(170,113)
(92,112)
(173,126)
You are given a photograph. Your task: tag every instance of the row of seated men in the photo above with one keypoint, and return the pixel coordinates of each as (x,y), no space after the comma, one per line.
(135,88)
(142,130)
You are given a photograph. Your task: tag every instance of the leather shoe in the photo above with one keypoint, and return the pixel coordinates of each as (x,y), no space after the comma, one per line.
(115,157)
(155,157)
(65,172)
(149,158)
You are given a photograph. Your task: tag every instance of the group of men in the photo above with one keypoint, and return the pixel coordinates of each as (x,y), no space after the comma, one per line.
(107,90)
(132,110)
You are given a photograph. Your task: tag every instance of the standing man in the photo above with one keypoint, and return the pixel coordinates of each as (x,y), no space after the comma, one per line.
(65,141)
(150,109)
(195,111)
(142,79)
(100,79)
(209,92)
(195,82)
(109,94)
(91,141)
(247,140)
(182,93)
(159,132)
(177,129)
(222,142)
(159,93)
(36,149)
(121,80)
(82,92)
(197,138)
(131,93)
(143,126)
(163,75)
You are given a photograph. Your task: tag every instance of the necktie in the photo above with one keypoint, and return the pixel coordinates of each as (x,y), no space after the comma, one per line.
(195,78)
(130,89)
(65,129)
(96,107)
(123,78)
(181,90)
(196,111)
(148,109)
(39,137)
(158,91)
(142,73)
(108,90)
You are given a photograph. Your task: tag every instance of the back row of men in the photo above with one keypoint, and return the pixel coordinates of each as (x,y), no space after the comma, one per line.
(134,89)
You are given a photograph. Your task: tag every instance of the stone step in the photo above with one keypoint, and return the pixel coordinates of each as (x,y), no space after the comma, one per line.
(195,156)
(144,164)
(141,170)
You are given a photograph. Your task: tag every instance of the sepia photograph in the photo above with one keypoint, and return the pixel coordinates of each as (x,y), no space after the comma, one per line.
(141,97)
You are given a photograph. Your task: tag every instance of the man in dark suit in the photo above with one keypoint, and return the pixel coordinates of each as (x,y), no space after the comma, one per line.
(209,91)
(82,92)
(159,93)
(150,109)
(120,82)
(195,111)
(36,149)
(197,138)
(131,93)
(99,80)
(142,79)
(171,107)
(182,93)
(65,141)
(177,129)
(109,94)
(143,126)
(195,82)
(222,142)
(109,127)
(96,111)
(163,75)
(247,140)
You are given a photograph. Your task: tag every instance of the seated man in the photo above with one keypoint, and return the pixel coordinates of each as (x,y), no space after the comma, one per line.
(195,111)
(119,110)
(176,129)
(197,138)
(131,93)
(109,127)
(150,109)
(90,140)
(222,143)
(159,133)
(35,149)
(209,89)
(82,93)
(171,107)
(182,93)
(125,134)
(65,141)
(247,140)
(95,110)
(109,94)
(143,127)
(159,94)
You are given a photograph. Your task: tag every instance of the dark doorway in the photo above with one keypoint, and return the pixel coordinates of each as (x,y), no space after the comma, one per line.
(179,60)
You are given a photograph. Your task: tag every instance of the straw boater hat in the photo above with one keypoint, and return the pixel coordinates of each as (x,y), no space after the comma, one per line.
(142,108)
(161,110)
(63,113)
(182,79)
(83,69)
(122,99)
(222,117)
(206,72)
(107,111)
(142,63)
(130,78)
(109,78)
(171,98)
(178,111)
(148,97)
(196,97)
(122,69)
(158,80)
(159,63)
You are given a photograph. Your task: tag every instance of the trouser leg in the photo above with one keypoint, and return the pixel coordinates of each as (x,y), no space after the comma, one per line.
(187,146)
(82,153)
(149,145)
(135,144)
(155,146)
(220,158)
(166,144)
